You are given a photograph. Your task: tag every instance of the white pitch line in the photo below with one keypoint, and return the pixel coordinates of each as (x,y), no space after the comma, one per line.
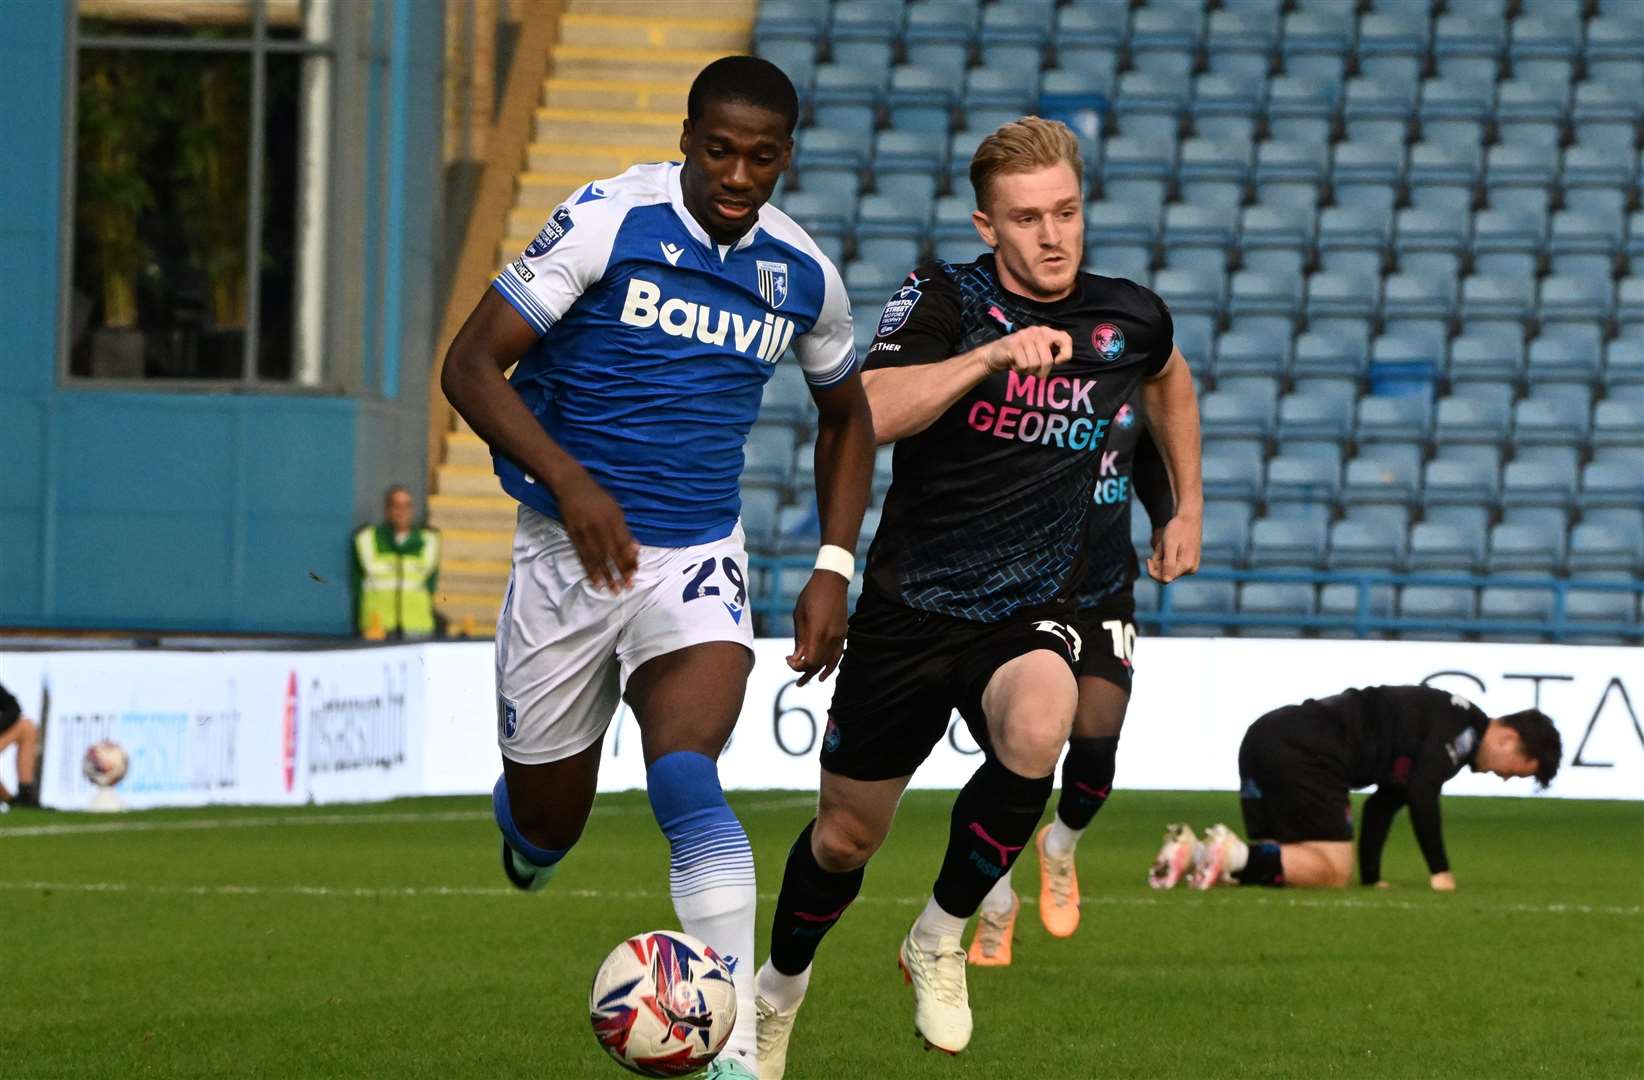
(392,818)
(416,891)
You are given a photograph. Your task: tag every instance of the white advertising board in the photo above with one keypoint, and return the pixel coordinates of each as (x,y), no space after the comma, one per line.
(375,723)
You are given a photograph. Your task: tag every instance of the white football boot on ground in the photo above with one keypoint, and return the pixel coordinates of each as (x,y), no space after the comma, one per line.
(941,1002)
(1175,857)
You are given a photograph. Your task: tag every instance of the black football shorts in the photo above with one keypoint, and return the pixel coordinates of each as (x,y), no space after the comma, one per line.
(1107,630)
(1290,788)
(905,672)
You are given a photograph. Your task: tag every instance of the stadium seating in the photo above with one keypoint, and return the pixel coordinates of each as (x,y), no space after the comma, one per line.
(1404,253)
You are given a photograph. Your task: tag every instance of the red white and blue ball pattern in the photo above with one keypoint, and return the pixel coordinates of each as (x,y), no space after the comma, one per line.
(663,1004)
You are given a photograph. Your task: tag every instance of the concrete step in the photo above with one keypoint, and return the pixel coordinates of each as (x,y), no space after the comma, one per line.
(477,576)
(544,191)
(466,448)
(660,31)
(495,512)
(641,64)
(477,545)
(595,162)
(719,9)
(453,479)
(605,127)
(668,97)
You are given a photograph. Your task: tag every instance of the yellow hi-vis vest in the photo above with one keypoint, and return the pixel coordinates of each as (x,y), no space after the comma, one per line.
(397,580)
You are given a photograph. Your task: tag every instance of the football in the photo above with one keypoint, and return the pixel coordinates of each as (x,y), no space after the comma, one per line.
(662,1004)
(105,764)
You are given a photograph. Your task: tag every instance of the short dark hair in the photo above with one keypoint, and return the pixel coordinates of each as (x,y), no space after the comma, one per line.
(1540,738)
(745,79)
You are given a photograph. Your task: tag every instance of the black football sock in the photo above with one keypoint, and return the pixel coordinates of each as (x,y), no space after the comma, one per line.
(811,901)
(1087,779)
(993,819)
(1263,866)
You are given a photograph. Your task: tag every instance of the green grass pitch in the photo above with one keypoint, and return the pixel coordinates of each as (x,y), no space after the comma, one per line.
(383,941)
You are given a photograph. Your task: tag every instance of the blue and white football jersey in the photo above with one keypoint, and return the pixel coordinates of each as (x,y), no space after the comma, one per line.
(657,343)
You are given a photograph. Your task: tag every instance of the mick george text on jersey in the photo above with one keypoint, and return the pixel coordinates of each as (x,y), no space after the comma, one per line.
(1055,411)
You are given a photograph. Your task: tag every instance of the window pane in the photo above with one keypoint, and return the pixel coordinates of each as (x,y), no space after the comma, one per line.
(162,146)
(278,273)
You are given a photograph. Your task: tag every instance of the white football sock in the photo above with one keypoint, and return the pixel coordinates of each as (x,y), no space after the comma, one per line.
(712,879)
(782,991)
(1060,841)
(1000,899)
(934,925)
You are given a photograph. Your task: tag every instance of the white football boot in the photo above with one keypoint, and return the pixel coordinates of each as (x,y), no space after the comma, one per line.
(941,1002)
(1175,857)
(1212,867)
(775,1029)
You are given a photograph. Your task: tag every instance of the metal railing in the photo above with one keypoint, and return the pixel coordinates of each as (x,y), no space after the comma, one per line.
(1363,622)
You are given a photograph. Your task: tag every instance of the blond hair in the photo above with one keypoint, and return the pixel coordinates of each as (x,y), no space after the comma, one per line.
(1024,145)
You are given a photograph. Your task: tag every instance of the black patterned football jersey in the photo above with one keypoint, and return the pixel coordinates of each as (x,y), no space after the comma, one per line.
(988,508)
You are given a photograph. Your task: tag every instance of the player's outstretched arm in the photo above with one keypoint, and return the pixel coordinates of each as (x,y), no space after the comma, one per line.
(906,400)
(1173,417)
(1376,820)
(844,476)
(490,342)
(1425,820)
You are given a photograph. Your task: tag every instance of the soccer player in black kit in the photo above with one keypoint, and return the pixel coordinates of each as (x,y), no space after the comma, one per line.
(1298,763)
(998,380)
(1129,469)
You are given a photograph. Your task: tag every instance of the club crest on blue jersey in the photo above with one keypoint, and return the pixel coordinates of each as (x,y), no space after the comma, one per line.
(897,310)
(1108,341)
(773,282)
(551,234)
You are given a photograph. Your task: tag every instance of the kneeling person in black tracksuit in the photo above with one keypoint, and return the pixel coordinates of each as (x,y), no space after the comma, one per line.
(1298,763)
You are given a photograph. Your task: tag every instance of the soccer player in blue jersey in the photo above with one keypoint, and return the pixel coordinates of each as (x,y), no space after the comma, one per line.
(645,319)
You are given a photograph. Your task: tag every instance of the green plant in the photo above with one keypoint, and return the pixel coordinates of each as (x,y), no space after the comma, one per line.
(116,130)
(213,150)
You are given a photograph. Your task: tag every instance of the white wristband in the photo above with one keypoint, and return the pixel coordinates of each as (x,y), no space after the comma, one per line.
(835,558)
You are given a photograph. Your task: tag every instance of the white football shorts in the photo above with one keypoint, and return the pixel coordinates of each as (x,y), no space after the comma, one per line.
(565,648)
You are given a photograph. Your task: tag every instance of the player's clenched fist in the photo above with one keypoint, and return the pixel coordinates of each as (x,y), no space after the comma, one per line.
(1034,350)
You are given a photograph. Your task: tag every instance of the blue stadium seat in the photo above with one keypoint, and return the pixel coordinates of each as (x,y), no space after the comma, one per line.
(1575,299)
(1293,543)
(1365,545)
(1226,540)
(995,88)
(1524,549)
(847,97)
(1232,478)
(1624,363)
(866,20)
(769,455)
(1459,482)
(1513,166)
(1439,547)
(1588,613)
(920,152)
(1088,25)
(1538,483)
(1606,166)
(1547,420)
(787,398)
(1598,546)
(1301,109)
(824,148)
(1306,417)
(869,281)
(1342,600)
(1285,600)
(1506,244)
(922,99)
(1432,604)
(759,512)
(1263,388)
(1327,354)
(939,23)
(1190,291)
(1195,336)
(1408,296)
(1242,352)
(1515,605)
(1470,420)
(1229,104)
(1495,298)
(1404,419)
(1138,159)
(1486,357)
(1604,103)
(1469,45)
(1629,307)
(1203,600)
(1618,423)
(1225,415)
(1301,476)
(1253,293)
(791,19)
